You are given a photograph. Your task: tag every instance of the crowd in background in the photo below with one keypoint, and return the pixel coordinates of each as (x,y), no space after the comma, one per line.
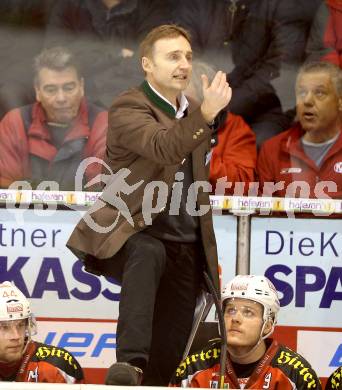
(260,44)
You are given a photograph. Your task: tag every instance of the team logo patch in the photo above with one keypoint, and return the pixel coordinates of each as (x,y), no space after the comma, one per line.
(14,308)
(239,286)
(338,167)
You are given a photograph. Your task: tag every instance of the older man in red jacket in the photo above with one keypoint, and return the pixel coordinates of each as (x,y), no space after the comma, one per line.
(48,139)
(306,160)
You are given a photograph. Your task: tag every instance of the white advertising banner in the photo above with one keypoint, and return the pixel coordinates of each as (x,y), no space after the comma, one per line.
(34,256)
(303,258)
(91,342)
(321,349)
(76,310)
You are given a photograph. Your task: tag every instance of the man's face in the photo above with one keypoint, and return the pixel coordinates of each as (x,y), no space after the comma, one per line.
(60,93)
(169,68)
(317,106)
(12,340)
(243,319)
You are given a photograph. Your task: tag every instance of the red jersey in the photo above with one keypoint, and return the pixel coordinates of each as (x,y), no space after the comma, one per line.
(45,363)
(280,368)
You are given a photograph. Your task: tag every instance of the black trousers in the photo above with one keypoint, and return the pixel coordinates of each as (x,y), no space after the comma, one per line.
(160,283)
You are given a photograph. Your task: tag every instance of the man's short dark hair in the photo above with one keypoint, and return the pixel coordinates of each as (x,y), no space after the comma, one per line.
(160,32)
(55,58)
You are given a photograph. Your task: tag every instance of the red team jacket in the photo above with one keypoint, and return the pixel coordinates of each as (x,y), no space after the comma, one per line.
(282,159)
(280,368)
(235,154)
(45,363)
(20,142)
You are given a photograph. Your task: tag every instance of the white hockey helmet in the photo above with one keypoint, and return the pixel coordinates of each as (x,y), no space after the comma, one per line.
(255,288)
(15,306)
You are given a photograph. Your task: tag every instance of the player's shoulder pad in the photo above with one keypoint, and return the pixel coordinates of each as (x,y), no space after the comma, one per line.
(296,368)
(58,357)
(201,360)
(335,380)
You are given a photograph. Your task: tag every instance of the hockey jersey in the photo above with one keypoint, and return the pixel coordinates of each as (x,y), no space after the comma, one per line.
(280,368)
(46,363)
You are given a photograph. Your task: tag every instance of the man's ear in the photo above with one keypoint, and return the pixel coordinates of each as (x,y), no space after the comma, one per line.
(268,327)
(37,92)
(146,64)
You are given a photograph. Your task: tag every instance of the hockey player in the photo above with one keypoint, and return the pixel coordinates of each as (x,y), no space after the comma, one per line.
(21,358)
(254,361)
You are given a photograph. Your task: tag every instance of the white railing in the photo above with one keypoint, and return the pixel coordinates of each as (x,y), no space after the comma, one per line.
(234,204)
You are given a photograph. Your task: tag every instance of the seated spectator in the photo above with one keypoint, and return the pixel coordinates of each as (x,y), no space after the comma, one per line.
(251,40)
(233,155)
(325,39)
(306,160)
(47,140)
(21,358)
(104,34)
(335,380)
(254,360)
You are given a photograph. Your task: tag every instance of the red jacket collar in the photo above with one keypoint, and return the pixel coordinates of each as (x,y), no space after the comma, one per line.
(79,128)
(291,142)
(39,137)
(292,145)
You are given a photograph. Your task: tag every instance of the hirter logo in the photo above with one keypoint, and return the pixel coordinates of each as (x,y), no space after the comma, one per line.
(17,307)
(239,286)
(338,167)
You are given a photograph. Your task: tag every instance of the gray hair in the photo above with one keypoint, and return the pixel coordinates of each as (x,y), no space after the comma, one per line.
(55,58)
(326,67)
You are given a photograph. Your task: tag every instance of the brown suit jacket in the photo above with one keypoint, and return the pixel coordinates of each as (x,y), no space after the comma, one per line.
(145,137)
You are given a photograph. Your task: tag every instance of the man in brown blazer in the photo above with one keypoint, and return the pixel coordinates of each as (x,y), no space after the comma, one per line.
(152,227)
